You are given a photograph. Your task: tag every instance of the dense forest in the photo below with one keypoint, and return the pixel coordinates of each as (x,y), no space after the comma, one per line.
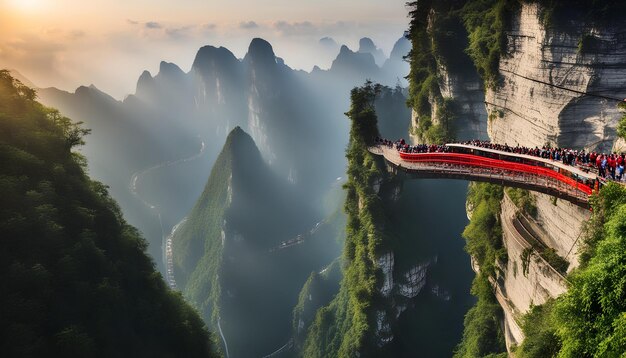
(76,280)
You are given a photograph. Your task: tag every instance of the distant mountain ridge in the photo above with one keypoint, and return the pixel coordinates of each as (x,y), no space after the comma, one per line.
(172,111)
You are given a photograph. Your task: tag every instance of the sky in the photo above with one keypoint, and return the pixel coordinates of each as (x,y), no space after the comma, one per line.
(108,43)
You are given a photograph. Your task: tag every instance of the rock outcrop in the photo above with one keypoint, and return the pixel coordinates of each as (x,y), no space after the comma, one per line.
(548,79)
(467,91)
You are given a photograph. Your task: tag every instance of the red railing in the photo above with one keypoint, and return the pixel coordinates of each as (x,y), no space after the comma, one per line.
(489,163)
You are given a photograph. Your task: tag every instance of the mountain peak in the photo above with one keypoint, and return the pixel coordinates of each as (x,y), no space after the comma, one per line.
(260,53)
(355,65)
(236,132)
(366,45)
(261,48)
(401,48)
(93,92)
(18,76)
(241,151)
(144,83)
(169,69)
(210,54)
(145,75)
(328,41)
(238,137)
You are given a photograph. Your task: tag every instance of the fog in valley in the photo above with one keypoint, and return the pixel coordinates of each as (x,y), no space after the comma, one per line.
(236,166)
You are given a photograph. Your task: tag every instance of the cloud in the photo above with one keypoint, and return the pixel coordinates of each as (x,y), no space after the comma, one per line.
(295,28)
(248,25)
(153,25)
(33,55)
(178,33)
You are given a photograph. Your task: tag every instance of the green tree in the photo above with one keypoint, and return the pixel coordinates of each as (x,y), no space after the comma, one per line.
(76,280)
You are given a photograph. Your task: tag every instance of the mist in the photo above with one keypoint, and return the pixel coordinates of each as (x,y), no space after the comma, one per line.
(108,45)
(279,215)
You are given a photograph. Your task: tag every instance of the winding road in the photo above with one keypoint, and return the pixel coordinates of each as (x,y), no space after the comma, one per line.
(166,240)
(166,245)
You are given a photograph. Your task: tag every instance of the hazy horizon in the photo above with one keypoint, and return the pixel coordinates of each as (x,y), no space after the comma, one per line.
(68,43)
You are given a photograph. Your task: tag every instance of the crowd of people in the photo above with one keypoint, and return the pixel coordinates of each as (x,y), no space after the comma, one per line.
(608,166)
(402,146)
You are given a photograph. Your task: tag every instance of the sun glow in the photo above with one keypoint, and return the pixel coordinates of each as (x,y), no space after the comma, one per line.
(26,5)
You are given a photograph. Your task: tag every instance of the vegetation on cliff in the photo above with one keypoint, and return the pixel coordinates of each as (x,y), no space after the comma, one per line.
(317,292)
(437,38)
(483,334)
(247,246)
(589,320)
(484,232)
(344,327)
(76,280)
(198,246)
(523,200)
(486,22)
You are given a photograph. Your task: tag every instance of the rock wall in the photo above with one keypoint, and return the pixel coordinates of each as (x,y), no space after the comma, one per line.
(467,91)
(544,74)
(526,279)
(397,291)
(469,98)
(560,225)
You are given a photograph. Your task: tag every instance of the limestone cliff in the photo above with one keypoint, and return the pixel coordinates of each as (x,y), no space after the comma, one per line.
(446,92)
(555,88)
(551,74)
(548,79)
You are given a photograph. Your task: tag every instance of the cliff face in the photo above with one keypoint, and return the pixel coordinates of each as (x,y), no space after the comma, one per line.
(544,73)
(468,95)
(526,279)
(446,92)
(402,289)
(558,81)
(467,91)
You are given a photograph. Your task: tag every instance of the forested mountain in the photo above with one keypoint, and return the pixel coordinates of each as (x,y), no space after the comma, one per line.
(246,248)
(76,279)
